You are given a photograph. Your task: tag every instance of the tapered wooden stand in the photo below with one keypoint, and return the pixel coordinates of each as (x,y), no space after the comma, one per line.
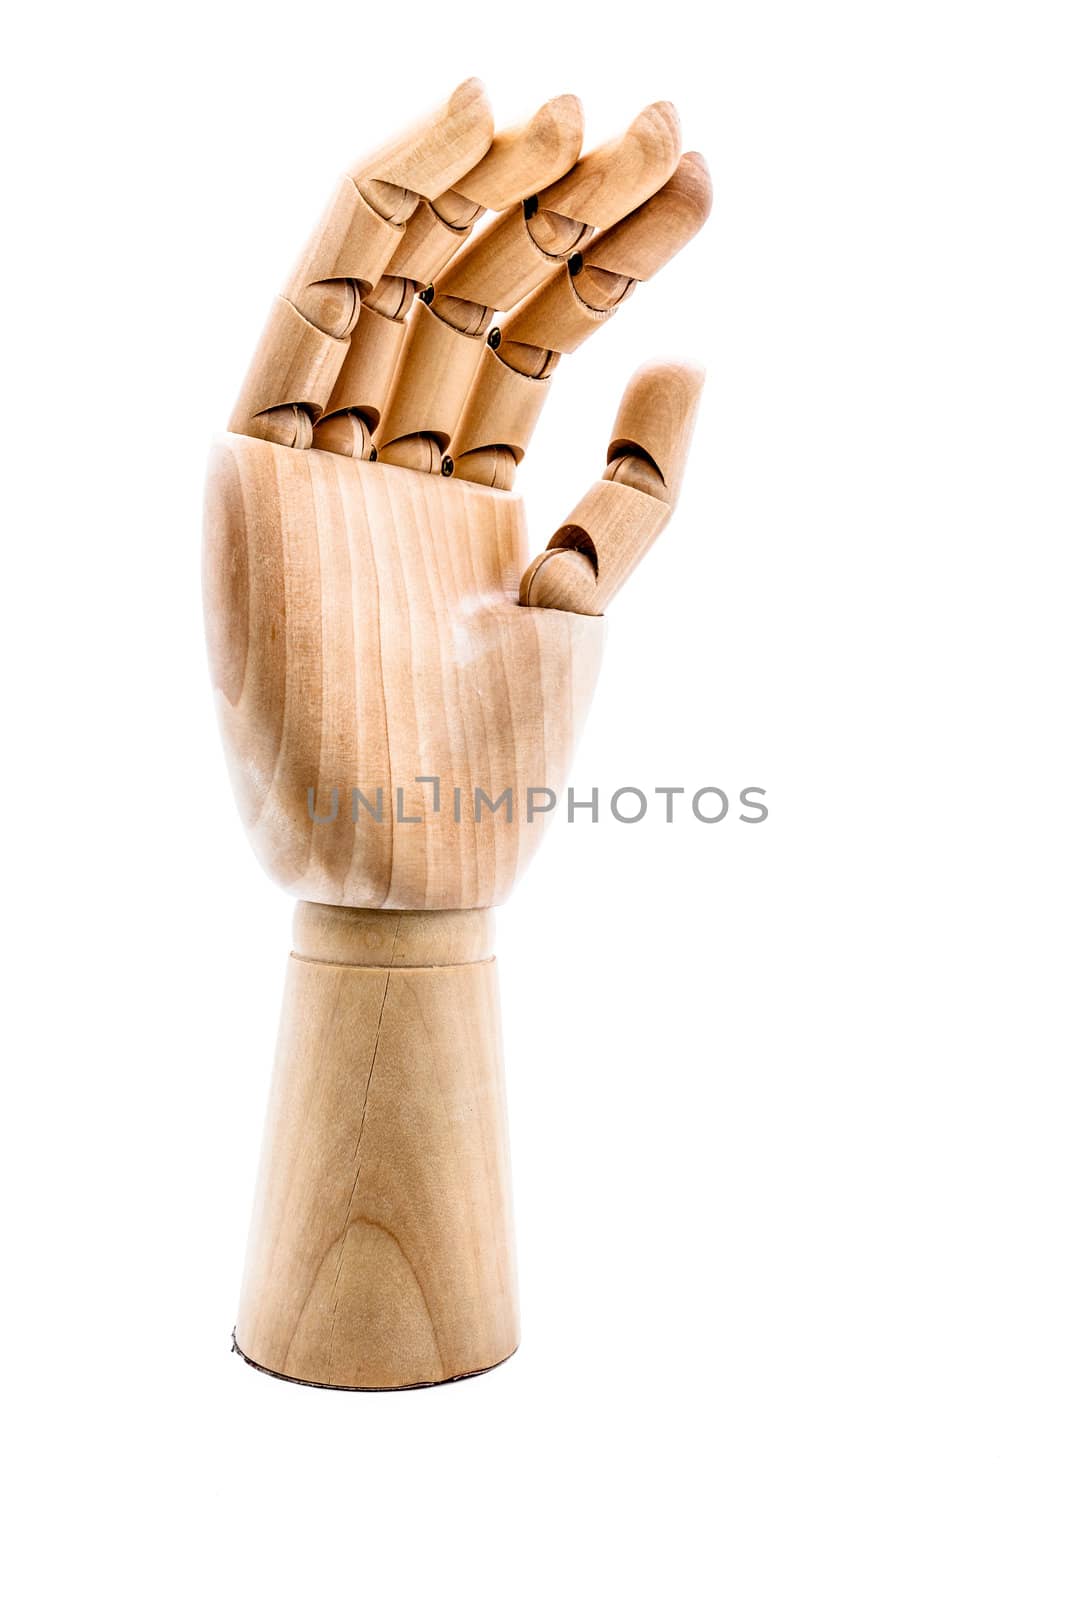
(380,1253)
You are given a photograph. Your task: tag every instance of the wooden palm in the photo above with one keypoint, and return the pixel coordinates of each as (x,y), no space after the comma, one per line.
(376,672)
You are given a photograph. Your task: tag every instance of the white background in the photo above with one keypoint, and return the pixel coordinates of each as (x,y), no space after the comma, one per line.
(788,1101)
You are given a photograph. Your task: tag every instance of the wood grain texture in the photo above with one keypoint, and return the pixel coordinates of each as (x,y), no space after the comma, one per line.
(364,632)
(380,1252)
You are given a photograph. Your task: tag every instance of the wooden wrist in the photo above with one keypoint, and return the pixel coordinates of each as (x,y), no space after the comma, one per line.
(380,1252)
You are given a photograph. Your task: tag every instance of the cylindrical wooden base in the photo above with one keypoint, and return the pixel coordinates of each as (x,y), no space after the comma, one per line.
(380,1254)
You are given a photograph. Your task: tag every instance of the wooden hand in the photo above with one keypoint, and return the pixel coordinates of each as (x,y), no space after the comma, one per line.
(397,696)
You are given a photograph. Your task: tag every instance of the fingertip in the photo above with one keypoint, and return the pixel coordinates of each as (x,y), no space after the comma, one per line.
(615,178)
(656,416)
(655,382)
(694,179)
(661,120)
(524,159)
(561,122)
(470,94)
(469,109)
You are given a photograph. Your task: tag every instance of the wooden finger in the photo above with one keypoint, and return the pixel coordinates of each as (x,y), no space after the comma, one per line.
(497,422)
(304,344)
(574,303)
(446,359)
(519,161)
(521,249)
(515,254)
(494,430)
(613,527)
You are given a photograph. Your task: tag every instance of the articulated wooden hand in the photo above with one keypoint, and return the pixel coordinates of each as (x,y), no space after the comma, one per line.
(386,672)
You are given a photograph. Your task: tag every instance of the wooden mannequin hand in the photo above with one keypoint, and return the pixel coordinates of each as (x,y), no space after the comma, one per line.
(397,700)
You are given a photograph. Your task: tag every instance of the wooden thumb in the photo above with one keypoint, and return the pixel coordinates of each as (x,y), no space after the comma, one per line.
(611,529)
